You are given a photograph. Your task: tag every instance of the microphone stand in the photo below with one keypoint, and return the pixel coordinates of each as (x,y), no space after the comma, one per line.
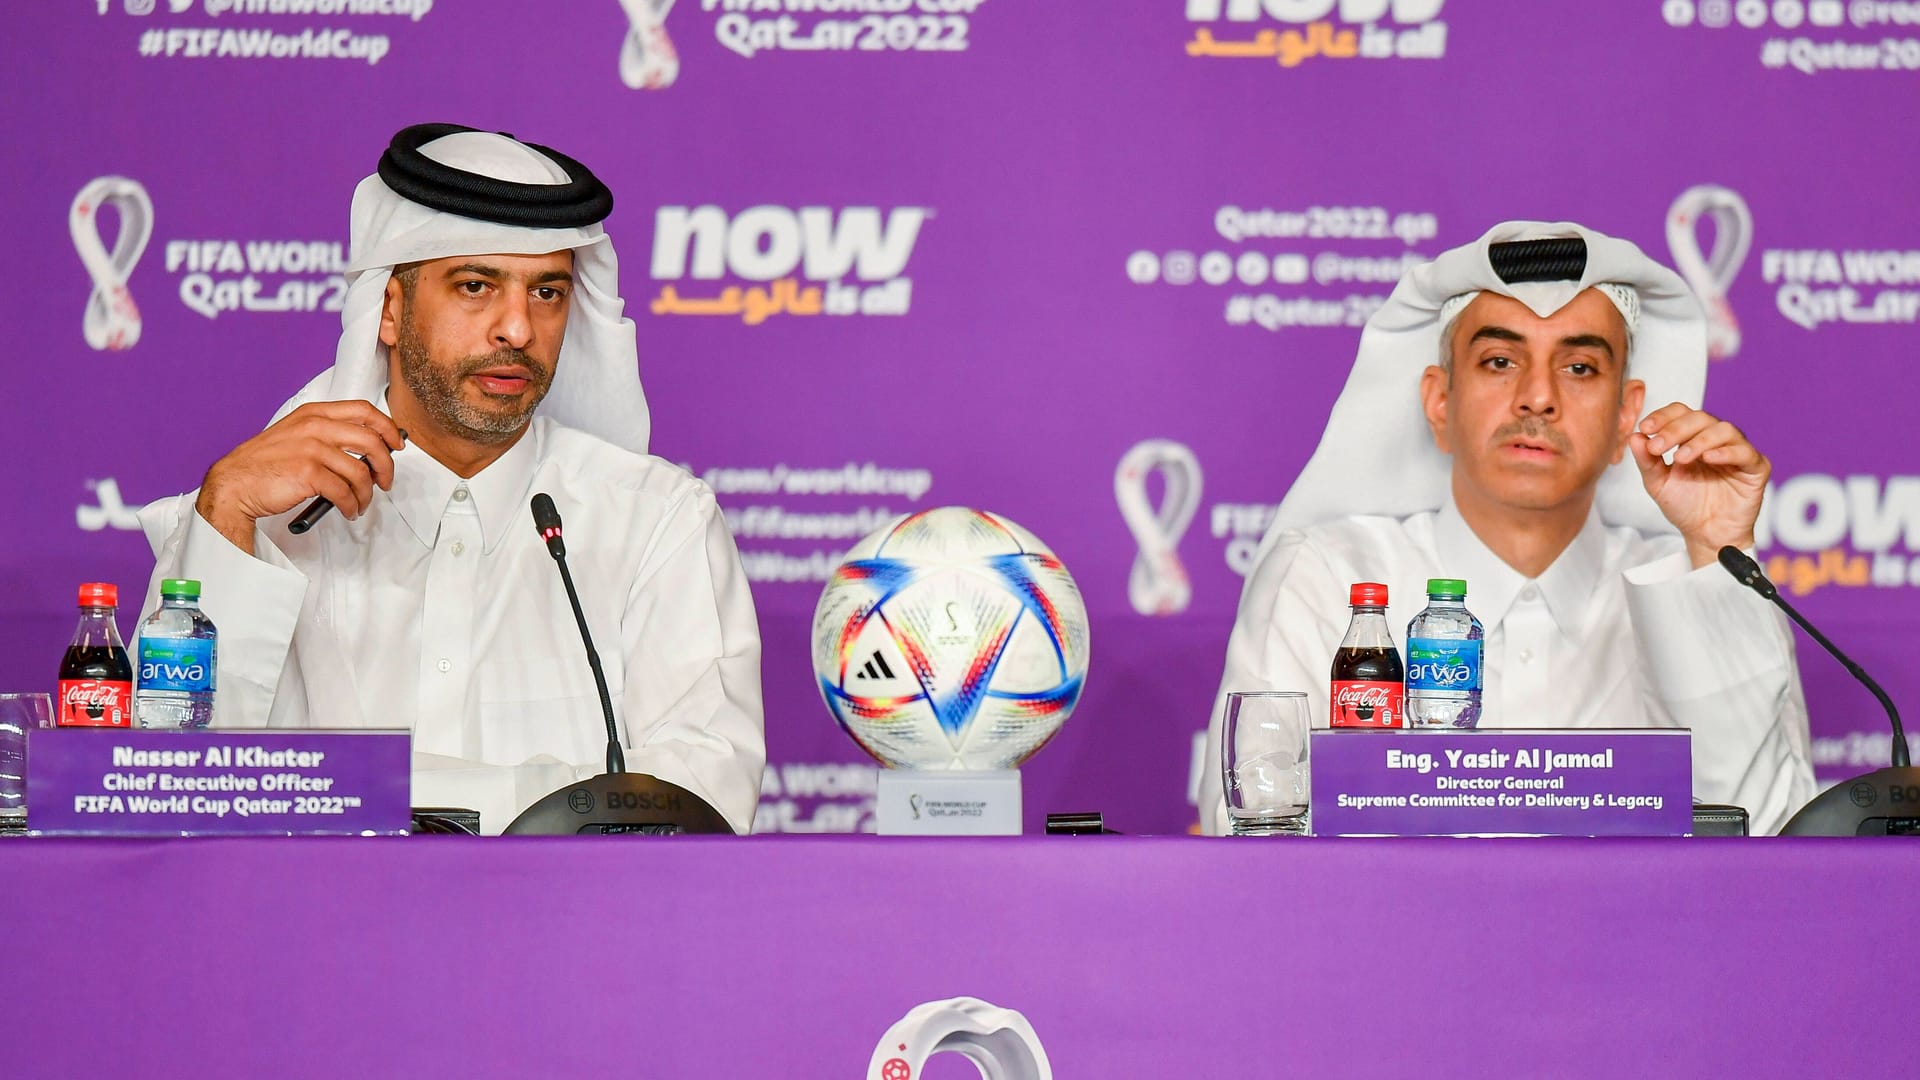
(616,759)
(1880,803)
(616,801)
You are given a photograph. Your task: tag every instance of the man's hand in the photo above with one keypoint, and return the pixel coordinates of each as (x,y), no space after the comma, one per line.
(308,453)
(1712,490)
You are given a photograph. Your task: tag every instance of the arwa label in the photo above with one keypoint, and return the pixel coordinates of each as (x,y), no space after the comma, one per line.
(1443,664)
(178,664)
(1369,705)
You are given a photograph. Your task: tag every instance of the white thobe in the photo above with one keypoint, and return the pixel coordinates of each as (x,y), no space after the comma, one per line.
(440,610)
(1621,631)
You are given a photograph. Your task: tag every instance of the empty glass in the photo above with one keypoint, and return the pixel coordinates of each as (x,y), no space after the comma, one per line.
(1263,762)
(19,713)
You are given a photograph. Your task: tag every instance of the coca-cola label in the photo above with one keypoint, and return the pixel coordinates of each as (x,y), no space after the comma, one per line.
(94,703)
(1368,705)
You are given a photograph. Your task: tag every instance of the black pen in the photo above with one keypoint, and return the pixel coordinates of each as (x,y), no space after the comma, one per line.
(318,508)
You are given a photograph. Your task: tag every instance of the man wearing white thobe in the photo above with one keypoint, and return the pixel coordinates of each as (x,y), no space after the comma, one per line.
(428,600)
(1484,434)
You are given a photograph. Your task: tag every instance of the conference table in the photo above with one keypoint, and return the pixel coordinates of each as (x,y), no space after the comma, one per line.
(771,956)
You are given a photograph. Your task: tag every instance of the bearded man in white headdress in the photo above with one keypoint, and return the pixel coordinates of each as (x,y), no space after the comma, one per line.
(1495,429)
(481,286)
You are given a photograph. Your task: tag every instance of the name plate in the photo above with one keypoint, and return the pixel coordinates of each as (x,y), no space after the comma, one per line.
(909,802)
(1606,782)
(115,782)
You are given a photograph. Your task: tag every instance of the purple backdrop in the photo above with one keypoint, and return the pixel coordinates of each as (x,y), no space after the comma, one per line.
(1131,957)
(1078,229)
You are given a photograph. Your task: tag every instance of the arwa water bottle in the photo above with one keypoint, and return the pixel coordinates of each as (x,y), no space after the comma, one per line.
(1443,660)
(176,661)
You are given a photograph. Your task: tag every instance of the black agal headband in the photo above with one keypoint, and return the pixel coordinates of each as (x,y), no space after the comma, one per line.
(583,200)
(1557,259)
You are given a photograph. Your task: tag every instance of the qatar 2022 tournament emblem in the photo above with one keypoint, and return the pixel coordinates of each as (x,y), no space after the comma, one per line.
(111,321)
(1710,274)
(647,57)
(1157,584)
(999,1042)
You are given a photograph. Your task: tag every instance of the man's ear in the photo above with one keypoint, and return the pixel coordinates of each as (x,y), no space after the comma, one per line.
(1434,383)
(1633,397)
(390,313)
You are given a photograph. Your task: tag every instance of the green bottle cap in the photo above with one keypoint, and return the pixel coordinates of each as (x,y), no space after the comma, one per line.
(180,587)
(1446,586)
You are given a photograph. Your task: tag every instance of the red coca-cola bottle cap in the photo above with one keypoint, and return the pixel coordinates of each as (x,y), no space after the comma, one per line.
(99,594)
(1368,594)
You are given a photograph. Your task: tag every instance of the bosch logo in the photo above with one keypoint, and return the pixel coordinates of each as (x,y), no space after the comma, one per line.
(1903,793)
(637,800)
(1863,794)
(581,801)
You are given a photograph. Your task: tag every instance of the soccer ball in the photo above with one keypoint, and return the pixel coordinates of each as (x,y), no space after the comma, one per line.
(950,639)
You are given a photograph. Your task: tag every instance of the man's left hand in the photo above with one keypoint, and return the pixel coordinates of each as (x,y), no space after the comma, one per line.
(1712,490)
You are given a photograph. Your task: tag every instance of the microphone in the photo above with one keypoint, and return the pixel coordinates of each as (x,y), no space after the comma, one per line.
(1748,573)
(1846,808)
(617,801)
(547,519)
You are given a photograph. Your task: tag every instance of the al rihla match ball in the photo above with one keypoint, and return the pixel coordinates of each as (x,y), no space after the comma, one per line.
(950,639)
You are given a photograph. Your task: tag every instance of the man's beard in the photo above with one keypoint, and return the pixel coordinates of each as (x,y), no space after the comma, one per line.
(437,389)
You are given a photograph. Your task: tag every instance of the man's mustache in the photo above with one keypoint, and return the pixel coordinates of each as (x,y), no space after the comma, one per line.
(1534,431)
(507,357)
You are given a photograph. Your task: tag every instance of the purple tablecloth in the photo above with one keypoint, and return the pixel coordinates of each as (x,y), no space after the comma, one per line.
(1132,957)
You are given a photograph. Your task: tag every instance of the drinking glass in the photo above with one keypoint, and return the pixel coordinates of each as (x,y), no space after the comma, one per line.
(19,713)
(1263,762)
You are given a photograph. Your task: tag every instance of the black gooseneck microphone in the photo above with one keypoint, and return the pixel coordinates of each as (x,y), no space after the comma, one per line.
(1881,802)
(616,801)
(1748,573)
(547,518)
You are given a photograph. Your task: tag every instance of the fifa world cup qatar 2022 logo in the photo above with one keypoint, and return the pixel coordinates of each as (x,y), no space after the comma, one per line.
(112,321)
(1000,1043)
(1157,584)
(1710,274)
(648,60)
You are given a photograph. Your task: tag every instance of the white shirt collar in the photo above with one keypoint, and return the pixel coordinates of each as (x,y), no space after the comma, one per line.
(1493,586)
(425,490)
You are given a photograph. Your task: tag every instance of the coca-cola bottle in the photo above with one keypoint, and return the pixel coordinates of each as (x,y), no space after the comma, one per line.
(1369,685)
(96,678)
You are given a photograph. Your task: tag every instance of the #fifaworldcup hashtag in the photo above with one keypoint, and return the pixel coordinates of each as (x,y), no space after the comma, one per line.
(202,43)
